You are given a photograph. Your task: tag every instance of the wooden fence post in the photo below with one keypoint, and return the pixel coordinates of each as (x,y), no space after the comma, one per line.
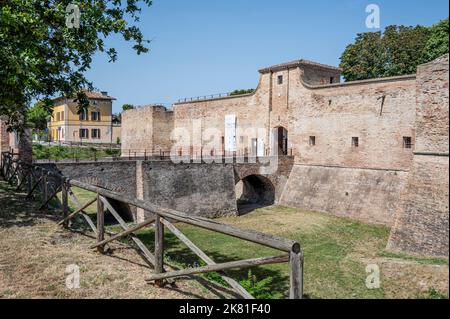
(159,249)
(64,201)
(44,188)
(100,223)
(29,181)
(296,275)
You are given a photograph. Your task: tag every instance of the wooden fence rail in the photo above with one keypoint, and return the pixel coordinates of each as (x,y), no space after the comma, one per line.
(37,180)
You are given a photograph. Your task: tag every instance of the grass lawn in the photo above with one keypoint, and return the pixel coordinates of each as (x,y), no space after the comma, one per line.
(66,152)
(337,251)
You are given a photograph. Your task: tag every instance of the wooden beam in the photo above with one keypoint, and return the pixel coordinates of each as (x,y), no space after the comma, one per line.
(296,275)
(79,210)
(22,181)
(282,244)
(100,224)
(124,233)
(85,216)
(13,174)
(44,189)
(217,267)
(49,198)
(233,283)
(147,254)
(159,249)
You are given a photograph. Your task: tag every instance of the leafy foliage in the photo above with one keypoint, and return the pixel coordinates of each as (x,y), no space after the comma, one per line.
(240,92)
(397,51)
(41,57)
(259,289)
(127,107)
(65,152)
(38,116)
(437,44)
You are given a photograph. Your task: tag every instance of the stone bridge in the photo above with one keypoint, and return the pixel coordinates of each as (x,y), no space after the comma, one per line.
(209,190)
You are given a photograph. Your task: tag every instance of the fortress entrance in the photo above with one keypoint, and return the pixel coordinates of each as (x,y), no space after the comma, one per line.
(252,192)
(279,141)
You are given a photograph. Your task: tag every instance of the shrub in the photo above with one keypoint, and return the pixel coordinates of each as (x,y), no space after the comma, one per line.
(259,289)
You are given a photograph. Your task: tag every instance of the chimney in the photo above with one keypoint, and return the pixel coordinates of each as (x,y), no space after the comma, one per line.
(104,93)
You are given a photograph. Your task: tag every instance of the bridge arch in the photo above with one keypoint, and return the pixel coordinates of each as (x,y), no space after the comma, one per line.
(254,191)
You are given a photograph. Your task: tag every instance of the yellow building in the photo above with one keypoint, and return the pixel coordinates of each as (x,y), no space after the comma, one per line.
(92,126)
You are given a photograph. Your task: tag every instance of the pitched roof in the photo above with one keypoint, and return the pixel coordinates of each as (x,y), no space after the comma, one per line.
(99,96)
(91,95)
(297,63)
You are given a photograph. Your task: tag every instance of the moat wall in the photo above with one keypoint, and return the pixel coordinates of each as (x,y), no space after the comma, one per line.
(422,223)
(369,195)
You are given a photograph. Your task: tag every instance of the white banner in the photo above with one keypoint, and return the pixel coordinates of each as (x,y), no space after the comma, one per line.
(230,133)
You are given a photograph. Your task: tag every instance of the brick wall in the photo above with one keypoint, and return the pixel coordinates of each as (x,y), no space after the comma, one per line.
(422,221)
(146,129)
(198,189)
(364,194)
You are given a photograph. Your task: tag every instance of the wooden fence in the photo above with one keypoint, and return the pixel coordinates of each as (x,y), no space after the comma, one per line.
(48,184)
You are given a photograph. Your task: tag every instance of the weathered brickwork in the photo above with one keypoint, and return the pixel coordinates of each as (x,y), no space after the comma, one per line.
(378,113)
(146,130)
(422,220)
(4,135)
(353,143)
(203,190)
(368,195)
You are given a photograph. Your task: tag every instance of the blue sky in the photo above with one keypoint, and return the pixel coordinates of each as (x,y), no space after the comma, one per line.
(204,47)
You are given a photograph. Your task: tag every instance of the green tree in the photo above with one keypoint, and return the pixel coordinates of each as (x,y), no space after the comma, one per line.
(365,58)
(240,92)
(38,116)
(437,44)
(126,107)
(42,56)
(117,118)
(403,48)
(396,51)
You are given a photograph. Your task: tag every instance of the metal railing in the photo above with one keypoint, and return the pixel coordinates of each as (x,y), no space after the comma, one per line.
(197,153)
(50,183)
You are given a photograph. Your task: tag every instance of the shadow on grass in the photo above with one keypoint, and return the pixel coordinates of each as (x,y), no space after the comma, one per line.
(16,210)
(177,253)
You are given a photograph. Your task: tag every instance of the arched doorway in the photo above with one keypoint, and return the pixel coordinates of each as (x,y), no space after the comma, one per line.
(279,141)
(252,192)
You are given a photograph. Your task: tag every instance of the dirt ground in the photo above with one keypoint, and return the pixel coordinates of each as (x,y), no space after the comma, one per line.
(36,257)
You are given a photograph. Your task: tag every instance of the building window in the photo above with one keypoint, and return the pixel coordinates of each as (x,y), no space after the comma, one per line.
(280,80)
(62,116)
(355,141)
(407,142)
(312,141)
(95,133)
(95,116)
(83,116)
(84,133)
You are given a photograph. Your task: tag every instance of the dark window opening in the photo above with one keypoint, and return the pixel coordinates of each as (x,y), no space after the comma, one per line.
(331,80)
(95,133)
(312,141)
(407,142)
(83,116)
(280,80)
(84,133)
(95,116)
(355,141)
